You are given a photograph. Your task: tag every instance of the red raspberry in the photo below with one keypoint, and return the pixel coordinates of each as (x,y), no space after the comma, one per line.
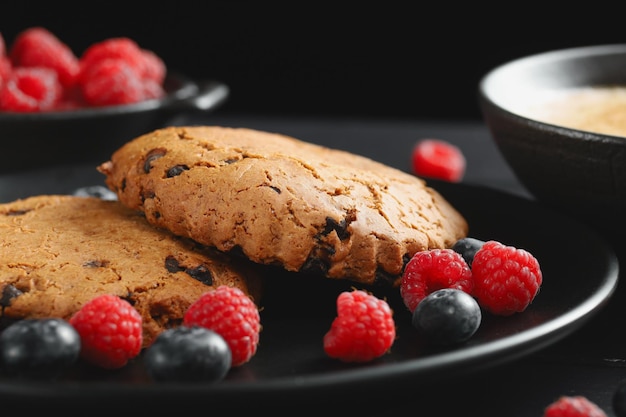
(111,82)
(432,270)
(576,406)
(151,89)
(5,69)
(363,330)
(30,90)
(38,47)
(506,279)
(110,331)
(438,159)
(113,48)
(231,313)
(153,67)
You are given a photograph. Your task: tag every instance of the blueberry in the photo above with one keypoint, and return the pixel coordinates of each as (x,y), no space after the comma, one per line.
(39,348)
(447,316)
(97,191)
(188,354)
(467,248)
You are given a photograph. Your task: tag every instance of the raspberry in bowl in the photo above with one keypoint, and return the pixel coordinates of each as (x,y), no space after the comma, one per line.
(58,107)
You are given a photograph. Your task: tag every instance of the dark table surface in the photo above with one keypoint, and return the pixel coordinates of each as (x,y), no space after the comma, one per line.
(590,362)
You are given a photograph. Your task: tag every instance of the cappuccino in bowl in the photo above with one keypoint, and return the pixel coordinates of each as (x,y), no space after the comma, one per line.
(592,109)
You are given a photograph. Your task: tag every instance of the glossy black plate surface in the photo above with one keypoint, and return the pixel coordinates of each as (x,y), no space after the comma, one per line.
(290,364)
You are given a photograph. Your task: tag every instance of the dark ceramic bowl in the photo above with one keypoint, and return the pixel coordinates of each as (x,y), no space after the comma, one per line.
(34,140)
(581,172)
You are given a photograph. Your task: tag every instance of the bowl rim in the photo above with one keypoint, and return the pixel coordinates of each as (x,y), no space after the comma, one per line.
(186,88)
(541,58)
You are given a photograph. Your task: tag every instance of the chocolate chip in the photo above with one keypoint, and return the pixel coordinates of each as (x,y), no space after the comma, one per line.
(384,278)
(201,273)
(341,228)
(153,155)
(172,265)
(17,212)
(9,292)
(146,195)
(129,298)
(176,170)
(96,263)
(314,265)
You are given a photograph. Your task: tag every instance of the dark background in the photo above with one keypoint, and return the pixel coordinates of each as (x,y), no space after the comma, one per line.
(418,61)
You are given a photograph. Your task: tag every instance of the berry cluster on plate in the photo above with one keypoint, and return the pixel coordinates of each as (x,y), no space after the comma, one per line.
(222,328)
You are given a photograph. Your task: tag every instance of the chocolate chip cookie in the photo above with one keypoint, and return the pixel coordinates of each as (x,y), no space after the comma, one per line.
(60,251)
(278,200)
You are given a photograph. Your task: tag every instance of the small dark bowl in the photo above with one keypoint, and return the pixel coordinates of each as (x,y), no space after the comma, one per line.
(35,140)
(580,172)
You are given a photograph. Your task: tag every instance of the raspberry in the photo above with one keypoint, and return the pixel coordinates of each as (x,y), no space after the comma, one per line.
(114,48)
(573,406)
(506,279)
(31,90)
(363,330)
(432,270)
(229,312)
(38,47)
(438,159)
(151,89)
(110,330)
(153,67)
(111,82)
(5,69)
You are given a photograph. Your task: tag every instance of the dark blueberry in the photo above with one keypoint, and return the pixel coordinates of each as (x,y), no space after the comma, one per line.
(38,348)
(619,399)
(97,191)
(447,316)
(188,354)
(467,248)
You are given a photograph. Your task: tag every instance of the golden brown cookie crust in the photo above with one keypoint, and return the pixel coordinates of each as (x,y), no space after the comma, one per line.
(58,252)
(283,201)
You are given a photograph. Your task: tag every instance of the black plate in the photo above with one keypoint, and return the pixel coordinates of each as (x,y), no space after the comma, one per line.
(290,363)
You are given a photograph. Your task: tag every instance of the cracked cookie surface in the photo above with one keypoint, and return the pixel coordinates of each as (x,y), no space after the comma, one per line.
(281,201)
(59,251)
